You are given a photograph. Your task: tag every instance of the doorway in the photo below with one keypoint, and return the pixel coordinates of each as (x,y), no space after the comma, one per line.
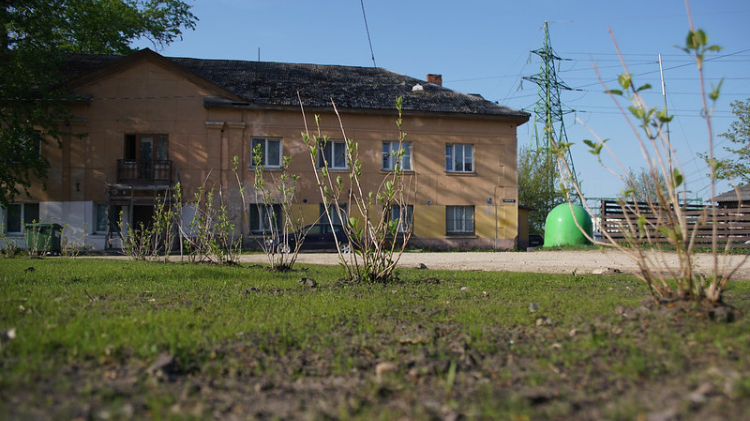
(146,150)
(143,215)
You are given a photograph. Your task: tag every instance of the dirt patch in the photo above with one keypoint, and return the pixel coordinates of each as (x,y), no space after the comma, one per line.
(595,262)
(420,374)
(619,366)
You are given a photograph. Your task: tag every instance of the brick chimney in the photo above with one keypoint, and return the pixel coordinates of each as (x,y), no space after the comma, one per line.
(435,79)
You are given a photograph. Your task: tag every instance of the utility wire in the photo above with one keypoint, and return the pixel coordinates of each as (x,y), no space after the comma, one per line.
(671,68)
(367,28)
(688,61)
(642,17)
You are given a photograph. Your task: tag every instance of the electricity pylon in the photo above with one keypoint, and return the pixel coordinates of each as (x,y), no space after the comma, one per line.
(549,110)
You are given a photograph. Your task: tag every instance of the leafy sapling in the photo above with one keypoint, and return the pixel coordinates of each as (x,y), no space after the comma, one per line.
(658,223)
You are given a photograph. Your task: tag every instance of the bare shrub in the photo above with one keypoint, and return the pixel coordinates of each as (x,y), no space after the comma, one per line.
(655,227)
(151,241)
(8,246)
(212,234)
(72,243)
(377,224)
(282,231)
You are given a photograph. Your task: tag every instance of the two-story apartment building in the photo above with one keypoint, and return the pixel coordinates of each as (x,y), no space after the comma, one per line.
(150,121)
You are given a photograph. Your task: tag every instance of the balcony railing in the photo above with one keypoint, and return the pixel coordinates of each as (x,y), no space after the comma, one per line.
(130,171)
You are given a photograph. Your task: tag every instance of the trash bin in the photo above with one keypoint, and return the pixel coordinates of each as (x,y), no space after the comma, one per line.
(43,237)
(560,229)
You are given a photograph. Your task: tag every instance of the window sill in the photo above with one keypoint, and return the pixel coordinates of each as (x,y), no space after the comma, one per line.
(387,171)
(461,174)
(461,235)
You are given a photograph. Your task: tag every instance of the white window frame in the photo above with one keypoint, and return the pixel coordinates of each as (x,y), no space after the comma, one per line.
(459,220)
(267,143)
(260,222)
(408,225)
(390,150)
(457,160)
(328,150)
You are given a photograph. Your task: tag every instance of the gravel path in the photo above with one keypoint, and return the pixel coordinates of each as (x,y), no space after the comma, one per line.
(582,262)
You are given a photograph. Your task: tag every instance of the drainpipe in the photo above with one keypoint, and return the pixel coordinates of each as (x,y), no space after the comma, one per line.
(494,200)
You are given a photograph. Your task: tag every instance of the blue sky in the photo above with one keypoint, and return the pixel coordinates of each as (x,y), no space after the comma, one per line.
(483,47)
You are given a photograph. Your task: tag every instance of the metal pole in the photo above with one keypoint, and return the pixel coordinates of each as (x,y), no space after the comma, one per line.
(664,95)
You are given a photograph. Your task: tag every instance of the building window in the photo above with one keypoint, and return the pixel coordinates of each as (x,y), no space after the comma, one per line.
(265,219)
(100,221)
(102,218)
(391,155)
(459,220)
(459,158)
(334,154)
(19,214)
(334,216)
(270,152)
(406,224)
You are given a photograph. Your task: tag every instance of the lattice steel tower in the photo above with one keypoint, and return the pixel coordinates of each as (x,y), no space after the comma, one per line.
(549,109)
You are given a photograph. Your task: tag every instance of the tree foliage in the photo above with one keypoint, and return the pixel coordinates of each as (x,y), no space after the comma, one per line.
(537,179)
(34,35)
(643,186)
(736,168)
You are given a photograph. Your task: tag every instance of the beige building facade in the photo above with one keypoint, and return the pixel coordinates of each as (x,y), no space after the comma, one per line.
(146,122)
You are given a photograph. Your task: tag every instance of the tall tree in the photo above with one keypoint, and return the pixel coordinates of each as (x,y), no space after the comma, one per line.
(537,178)
(34,36)
(643,186)
(736,168)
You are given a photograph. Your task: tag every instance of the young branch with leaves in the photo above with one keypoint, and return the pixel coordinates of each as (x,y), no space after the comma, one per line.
(282,232)
(656,226)
(378,225)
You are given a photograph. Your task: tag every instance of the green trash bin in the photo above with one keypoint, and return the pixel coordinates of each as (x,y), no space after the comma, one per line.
(560,228)
(44,237)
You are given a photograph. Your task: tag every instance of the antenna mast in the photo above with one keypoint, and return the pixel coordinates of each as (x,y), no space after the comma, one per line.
(664,94)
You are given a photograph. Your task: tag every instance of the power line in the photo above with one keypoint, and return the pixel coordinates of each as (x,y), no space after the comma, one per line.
(644,17)
(367,28)
(671,68)
(625,54)
(713,117)
(688,62)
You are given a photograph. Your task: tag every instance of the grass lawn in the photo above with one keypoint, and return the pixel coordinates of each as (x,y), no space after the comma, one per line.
(102,339)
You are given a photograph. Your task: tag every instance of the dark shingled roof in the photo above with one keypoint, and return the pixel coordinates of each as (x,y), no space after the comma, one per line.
(262,84)
(731,195)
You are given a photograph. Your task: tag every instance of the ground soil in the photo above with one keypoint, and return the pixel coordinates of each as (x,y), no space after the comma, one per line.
(542,261)
(303,385)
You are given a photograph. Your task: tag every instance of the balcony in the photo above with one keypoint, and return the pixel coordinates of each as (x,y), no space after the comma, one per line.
(156,172)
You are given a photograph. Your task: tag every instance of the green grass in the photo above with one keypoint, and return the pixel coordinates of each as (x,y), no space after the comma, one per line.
(466,340)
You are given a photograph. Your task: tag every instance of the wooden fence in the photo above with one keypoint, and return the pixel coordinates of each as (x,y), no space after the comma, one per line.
(732,224)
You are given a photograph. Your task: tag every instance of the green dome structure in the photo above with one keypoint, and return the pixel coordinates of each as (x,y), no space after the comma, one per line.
(561,230)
